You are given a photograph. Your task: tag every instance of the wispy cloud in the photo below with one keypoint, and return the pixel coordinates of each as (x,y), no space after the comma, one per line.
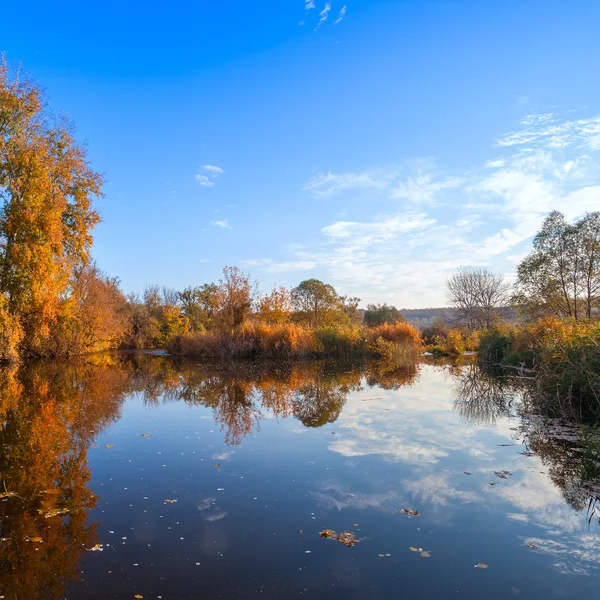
(324,14)
(342,15)
(207,174)
(423,188)
(222,224)
(204,181)
(216,171)
(484,215)
(328,184)
(309,5)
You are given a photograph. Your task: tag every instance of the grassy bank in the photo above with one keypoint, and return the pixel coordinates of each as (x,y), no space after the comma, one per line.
(563,355)
(290,340)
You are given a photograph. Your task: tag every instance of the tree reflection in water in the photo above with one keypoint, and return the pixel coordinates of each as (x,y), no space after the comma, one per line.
(572,459)
(51,413)
(49,417)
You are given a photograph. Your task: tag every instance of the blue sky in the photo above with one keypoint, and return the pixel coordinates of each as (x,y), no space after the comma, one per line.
(376,144)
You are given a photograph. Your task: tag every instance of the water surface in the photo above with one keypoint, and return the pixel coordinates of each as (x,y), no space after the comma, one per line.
(148,477)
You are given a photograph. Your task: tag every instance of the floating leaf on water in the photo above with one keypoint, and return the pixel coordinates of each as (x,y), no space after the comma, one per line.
(493,482)
(35,540)
(55,512)
(409,512)
(481,566)
(96,548)
(145,435)
(217,465)
(347,538)
(502,474)
(168,501)
(425,554)
(533,546)
(467,473)
(413,549)
(138,596)
(109,445)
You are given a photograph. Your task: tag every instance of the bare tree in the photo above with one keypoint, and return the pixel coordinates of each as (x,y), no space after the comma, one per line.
(478,295)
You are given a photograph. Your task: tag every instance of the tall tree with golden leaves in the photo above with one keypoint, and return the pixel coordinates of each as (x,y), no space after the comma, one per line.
(46,212)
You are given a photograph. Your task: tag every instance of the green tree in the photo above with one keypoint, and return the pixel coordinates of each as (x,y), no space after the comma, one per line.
(378,314)
(561,276)
(314,301)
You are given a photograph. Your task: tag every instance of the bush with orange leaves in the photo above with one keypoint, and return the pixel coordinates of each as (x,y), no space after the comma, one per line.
(291,340)
(565,357)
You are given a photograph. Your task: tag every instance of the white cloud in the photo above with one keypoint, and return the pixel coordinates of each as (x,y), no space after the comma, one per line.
(272,266)
(548,130)
(342,15)
(222,224)
(309,5)
(430,221)
(324,14)
(207,174)
(383,229)
(329,184)
(204,181)
(213,169)
(423,188)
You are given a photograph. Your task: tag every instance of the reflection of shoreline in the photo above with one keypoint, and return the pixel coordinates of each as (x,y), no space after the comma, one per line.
(573,464)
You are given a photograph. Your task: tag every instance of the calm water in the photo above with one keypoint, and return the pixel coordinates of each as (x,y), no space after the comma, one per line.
(192,481)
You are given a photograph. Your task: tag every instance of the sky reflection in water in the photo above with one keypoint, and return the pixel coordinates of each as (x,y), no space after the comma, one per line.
(257,461)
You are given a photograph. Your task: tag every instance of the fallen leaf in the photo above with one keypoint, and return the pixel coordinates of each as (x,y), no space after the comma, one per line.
(36,540)
(533,546)
(145,435)
(217,465)
(138,596)
(408,512)
(109,445)
(425,554)
(347,538)
(481,566)
(170,501)
(413,549)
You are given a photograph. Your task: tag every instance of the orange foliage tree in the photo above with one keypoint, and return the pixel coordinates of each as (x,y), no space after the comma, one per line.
(46,213)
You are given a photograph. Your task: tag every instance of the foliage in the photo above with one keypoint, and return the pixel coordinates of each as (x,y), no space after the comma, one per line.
(46,214)
(561,276)
(276,307)
(235,296)
(11,332)
(316,303)
(565,357)
(378,314)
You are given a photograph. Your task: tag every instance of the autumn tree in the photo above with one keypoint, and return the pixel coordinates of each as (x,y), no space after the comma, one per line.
(236,295)
(349,306)
(276,308)
(478,295)
(200,305)
(46,213)
(315,301)
(561,276)
(94,316)
(378,314)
